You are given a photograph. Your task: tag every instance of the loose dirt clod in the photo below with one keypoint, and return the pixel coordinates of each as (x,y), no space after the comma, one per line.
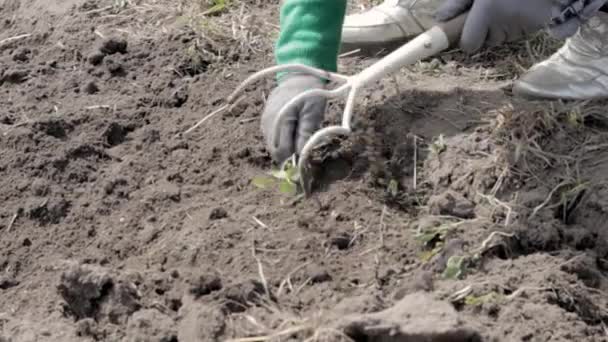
(84,289)
(320,276)
(92,292)
(114,67)
(200,322)
(341,241)
(6,282)
(50,211)
(14,76)
(115,134)
(113,45)
(91,88)
(22,55)
(218,214)
(240,296)
(205,285)
(151,325)
(96,58)
(453,204)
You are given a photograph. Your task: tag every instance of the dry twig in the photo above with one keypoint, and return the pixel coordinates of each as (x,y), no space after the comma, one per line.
(548,199)
(287,280)
(12,39)
(260,269)
(10,225)
(496,201)
(286,332)
(485,245)
(202,121)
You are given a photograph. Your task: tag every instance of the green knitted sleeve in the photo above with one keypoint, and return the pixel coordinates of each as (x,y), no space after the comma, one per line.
(311,31)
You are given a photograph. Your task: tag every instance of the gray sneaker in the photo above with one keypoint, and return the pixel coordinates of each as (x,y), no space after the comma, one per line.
(393,21)
(577,71)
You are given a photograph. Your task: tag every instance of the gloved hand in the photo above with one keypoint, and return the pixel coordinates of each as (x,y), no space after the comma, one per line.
(493,22)
(302,121)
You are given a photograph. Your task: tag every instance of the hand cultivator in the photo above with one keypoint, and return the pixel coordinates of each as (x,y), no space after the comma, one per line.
(429,43)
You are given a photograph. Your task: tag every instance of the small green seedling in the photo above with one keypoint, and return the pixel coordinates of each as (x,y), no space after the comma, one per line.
(427,255)
(455,268)
(575,118)
(433,238)
(427,236)
(120,4)
(217,6)
(195,56)
(393,188)
(286,179)
(432,67)
(438,146)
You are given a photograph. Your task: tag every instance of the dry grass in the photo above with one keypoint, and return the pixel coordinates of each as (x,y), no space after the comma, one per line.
(499,63)
(225,28)
(282,324)
(233,25)
(553,144)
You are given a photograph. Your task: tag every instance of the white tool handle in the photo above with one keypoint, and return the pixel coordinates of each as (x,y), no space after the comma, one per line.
(427,44)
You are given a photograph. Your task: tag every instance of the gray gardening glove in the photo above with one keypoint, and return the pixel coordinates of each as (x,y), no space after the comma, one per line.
(493,22)
(302,121)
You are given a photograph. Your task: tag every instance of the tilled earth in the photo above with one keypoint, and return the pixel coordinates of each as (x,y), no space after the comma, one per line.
(454,213)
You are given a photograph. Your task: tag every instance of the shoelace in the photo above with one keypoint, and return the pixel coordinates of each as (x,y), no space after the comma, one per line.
(571,11)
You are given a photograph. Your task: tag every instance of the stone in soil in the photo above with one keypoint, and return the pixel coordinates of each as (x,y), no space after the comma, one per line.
(417,317)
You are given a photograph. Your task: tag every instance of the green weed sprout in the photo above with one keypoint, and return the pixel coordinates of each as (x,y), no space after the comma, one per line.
(438,146)
(286,179)
(120,4)
(433,238)
(456,267)
(217,7)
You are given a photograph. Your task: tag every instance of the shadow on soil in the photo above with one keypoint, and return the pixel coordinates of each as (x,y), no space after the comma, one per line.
(392,134)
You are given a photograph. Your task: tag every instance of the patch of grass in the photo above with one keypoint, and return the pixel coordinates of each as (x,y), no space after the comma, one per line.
(228,27)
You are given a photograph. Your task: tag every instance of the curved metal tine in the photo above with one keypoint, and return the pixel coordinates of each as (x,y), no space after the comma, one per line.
(347,115)
(313,92)
(328,75)
(307,150)
(286,67)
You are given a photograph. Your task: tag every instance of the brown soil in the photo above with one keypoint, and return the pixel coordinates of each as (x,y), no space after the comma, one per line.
(116,227)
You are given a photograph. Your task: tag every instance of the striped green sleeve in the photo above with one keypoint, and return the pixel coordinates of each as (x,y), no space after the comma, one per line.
(311,31)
